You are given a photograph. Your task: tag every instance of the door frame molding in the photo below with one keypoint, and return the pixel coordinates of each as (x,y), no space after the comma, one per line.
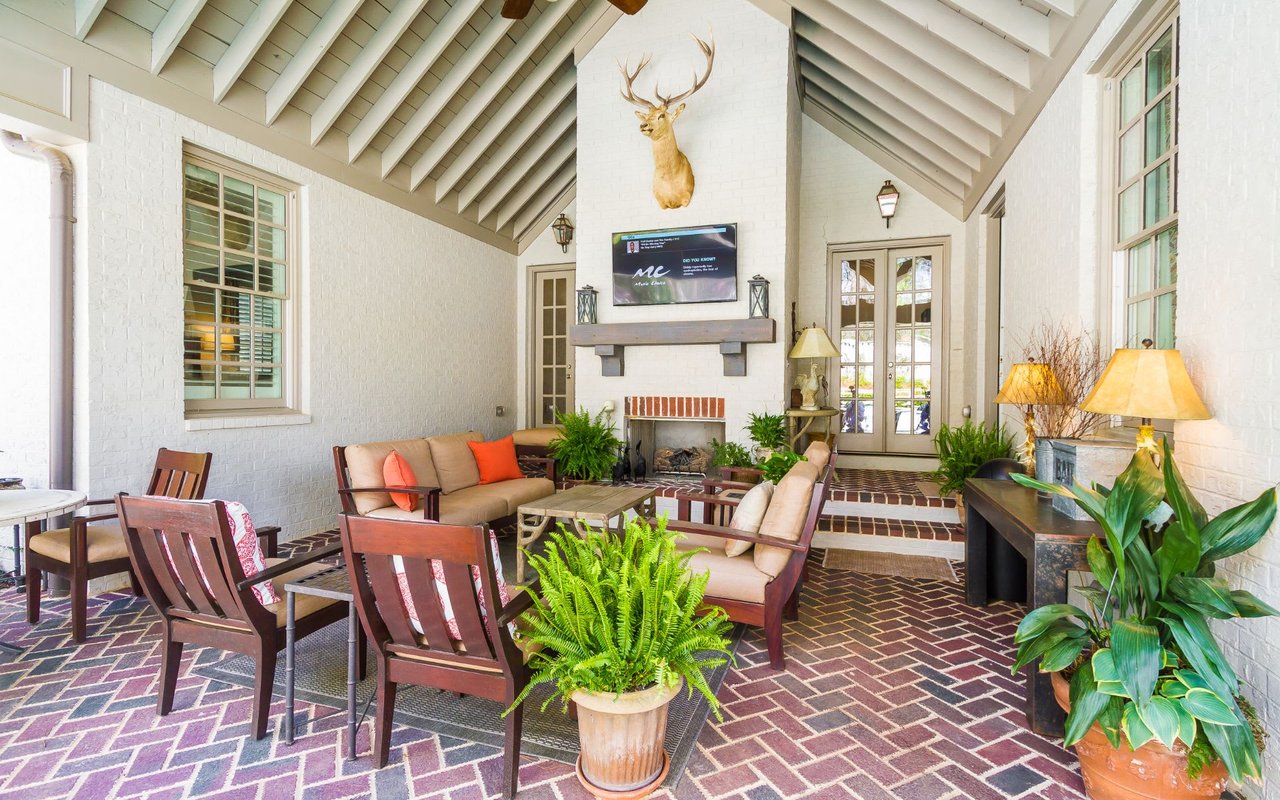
(944,326)
(531,322)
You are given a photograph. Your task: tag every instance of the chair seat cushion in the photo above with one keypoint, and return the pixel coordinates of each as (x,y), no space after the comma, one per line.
(106,543)
(478,504)
(730,578)
(303,604)
(691,541)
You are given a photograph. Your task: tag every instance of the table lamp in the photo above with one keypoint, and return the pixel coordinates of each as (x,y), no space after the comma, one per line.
(1031,384)
(813,343)
(1148,384)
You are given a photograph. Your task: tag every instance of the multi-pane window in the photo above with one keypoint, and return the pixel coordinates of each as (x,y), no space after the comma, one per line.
(237,234)
(1146,188)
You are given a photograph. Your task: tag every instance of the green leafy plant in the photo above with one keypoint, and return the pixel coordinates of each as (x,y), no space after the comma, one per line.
(767,430)
(779,464)
(1142,659)
(730,454)
(615,614)
(962,450)
(587,449)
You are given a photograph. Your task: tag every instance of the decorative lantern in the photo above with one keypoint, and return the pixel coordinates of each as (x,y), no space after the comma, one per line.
(759,307)
(587,305)
(564,232)
(887,197)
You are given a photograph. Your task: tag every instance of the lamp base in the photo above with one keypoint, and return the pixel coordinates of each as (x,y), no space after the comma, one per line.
(1029,444)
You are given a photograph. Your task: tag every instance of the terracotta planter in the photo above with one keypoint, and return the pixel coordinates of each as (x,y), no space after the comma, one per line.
(1152,772)
(621,741)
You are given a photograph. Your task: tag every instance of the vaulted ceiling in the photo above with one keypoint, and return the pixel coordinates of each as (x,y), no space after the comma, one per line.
(470,118)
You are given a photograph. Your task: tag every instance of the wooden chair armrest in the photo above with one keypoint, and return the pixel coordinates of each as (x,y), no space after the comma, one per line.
(731,473)
(106,501)
(272,534)
(714,499)
(519,604)
(275,571)
(548,463)
(93,518)
(422,491)
(732,533)
(715,483)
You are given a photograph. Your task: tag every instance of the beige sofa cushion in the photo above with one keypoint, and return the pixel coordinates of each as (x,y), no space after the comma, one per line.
(364,468)
(536,437)
(516,493)
(463,507)
(730,578)
(106,543)
(748,516)
(784,518)
(455,464)
(818,453)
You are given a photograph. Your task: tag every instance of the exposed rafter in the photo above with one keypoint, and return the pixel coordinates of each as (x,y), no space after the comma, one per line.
(529,158)
(308,56)
(950,28)
(173,26)
(1066,8)
(246,45)
(87,12)
(548,204)
(1032,30)
(548,168)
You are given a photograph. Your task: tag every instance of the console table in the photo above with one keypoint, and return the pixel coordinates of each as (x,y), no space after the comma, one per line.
(1052,544)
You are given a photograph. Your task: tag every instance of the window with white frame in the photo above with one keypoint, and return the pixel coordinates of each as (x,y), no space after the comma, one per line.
(238,286)
(1146,224)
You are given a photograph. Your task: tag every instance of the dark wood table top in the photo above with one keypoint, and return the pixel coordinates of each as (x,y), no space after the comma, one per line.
(1022,507)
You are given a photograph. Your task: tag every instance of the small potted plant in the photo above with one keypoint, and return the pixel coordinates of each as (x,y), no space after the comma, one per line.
(1154,708)
(586,448)
(769,432)
(618,627)
(961,451)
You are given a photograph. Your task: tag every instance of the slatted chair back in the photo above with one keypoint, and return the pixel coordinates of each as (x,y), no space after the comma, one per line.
(180,475)
(373,546)
(162,535)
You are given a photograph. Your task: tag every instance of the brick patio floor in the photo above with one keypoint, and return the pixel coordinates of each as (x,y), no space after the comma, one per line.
(894,689)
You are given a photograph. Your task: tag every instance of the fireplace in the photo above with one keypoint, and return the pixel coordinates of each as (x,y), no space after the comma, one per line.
(674,433)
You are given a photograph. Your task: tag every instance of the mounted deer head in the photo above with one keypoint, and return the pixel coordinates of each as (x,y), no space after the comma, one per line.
(672,174)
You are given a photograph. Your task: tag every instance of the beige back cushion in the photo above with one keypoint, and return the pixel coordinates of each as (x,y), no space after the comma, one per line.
(748,516)
(538,437)
(364,468)
(455,463)
(818,454)
(784,518)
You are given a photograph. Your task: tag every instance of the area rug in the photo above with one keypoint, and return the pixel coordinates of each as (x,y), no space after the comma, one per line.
(895,564)
(321,677)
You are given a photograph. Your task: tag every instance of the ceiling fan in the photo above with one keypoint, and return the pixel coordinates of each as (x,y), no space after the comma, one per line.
(519,9)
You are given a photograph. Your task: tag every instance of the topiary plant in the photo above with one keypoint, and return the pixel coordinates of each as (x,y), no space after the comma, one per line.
(587,448)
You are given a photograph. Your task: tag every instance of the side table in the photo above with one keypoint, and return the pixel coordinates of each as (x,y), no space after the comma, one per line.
(795,415)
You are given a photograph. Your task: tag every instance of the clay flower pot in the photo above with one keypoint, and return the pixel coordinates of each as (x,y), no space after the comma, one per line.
(621,741)
(1152,772)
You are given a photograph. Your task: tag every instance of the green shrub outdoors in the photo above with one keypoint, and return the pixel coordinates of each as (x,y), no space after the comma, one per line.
(962,450)
(587,448)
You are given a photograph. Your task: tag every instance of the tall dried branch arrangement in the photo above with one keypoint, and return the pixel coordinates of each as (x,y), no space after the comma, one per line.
(1077,361)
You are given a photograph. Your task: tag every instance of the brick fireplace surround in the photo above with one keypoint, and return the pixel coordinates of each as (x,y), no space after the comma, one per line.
(674,407)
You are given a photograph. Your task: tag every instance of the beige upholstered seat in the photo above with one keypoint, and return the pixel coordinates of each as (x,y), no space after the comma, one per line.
(689,541)
(731,578)
(106,543)
(303,604)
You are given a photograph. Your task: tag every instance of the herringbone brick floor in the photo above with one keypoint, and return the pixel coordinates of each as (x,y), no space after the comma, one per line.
(894,689)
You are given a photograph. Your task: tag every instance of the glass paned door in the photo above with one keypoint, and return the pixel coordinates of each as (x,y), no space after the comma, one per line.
(551,375)
(889,316)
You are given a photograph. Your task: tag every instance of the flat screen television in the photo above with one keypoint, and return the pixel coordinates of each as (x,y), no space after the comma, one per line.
(676,265)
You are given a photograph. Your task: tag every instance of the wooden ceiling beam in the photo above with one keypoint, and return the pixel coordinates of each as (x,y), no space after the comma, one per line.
(304,62)
(370,57)
(173,26)
(529,158)
(1065,8)
(1028,28)
(547,205)
(949,27)
(418,65)
(245,46)
(86,13)
(551,164)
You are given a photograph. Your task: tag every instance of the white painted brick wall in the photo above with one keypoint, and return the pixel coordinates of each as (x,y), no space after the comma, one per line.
(407,325)
(735,133)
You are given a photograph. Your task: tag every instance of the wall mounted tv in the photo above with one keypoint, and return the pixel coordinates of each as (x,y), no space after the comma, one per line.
(676,265)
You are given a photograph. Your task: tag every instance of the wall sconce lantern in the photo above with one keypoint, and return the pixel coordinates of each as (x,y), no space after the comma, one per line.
(759,306)
(587,305)
(564,232)
(887,197)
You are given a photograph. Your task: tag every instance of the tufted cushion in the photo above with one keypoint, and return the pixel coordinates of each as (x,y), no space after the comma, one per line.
(785,516)
(455,465)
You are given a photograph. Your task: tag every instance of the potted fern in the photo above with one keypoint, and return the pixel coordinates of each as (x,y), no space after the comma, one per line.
(1154,708)
(961,451)
(769,432)
(586,448)
(618,627)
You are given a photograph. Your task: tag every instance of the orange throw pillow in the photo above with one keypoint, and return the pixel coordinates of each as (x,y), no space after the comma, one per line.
(396,472)
(496,460)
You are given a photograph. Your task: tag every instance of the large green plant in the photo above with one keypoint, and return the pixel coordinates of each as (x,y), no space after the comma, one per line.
(767,430)
(962,450)
(1145,661)
(620,613)
(587,448)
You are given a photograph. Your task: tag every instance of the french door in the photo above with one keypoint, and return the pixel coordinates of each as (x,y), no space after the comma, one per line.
(551,367)
(888,307)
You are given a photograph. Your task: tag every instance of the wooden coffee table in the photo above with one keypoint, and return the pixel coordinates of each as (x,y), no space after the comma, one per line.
(588,504)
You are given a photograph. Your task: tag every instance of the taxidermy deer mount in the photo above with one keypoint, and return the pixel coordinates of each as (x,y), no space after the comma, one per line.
(672,174)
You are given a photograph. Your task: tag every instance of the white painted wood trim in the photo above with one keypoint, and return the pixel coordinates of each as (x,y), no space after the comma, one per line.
(548,167)
(546,205)
(530,234)
(530,156)
(950,28)
(1030,29)
(86,13)
(246,45)
(951,551)
(173,26)
(304,62)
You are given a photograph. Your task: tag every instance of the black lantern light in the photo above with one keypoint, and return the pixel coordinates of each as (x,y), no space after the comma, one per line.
(587,305)
(887,197)
(564,232)
(759,307)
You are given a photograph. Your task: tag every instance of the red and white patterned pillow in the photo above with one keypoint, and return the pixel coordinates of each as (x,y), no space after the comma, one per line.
(442,592)
(248,550)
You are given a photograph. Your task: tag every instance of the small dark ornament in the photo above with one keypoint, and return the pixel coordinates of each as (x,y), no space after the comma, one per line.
(642,466)
(620,466)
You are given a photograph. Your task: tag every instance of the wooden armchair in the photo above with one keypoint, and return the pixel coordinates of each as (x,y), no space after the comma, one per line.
(221,610)
(483,661)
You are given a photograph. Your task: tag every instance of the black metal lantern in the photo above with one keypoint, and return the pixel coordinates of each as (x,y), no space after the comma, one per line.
(587,305)
(759,308)
(564,232)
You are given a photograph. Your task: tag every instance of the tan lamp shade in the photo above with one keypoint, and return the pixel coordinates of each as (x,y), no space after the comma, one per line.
(1152,384)
(1032,384)
(814,343)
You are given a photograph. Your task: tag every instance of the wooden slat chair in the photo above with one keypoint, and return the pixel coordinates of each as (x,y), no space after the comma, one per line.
(484,662)
(221,610)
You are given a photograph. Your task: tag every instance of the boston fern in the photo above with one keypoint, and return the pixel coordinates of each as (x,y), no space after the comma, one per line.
(615,614)
(587,448)
(1145,661)
(962,450)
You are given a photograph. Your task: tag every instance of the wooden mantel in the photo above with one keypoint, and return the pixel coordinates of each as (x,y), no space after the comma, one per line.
(733,335)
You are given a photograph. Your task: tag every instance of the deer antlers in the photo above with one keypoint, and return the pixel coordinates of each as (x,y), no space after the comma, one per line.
(628,93)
